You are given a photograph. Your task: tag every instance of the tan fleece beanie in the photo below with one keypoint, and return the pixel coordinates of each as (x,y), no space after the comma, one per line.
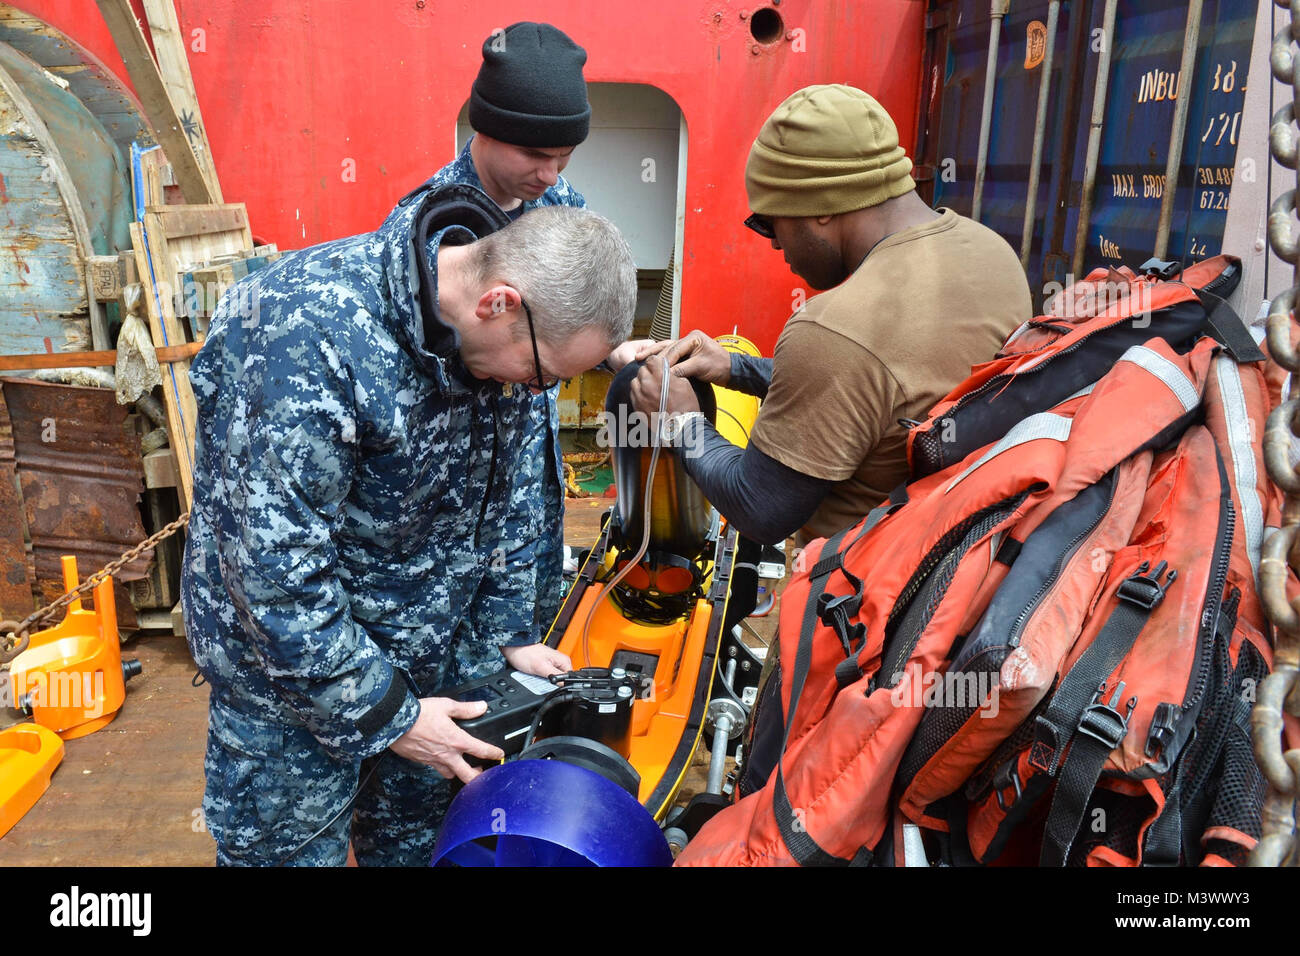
(826,150)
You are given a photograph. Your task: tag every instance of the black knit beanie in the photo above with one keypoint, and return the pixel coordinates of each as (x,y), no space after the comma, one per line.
(530,90)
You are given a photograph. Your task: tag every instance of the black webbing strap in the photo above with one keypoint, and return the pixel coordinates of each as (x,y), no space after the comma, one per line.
(1163,845)
(838,611)
(1101,729)
(1008,551)
(802,847)
(1228,329)
(1140,594)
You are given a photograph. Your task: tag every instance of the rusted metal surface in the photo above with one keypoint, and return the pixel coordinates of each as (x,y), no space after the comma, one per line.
(16,572)
(81,477)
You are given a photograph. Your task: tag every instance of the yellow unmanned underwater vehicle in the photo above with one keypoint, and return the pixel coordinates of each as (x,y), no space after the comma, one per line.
(651,626)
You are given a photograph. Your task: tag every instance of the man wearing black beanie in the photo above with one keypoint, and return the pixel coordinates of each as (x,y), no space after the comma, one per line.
(529,110)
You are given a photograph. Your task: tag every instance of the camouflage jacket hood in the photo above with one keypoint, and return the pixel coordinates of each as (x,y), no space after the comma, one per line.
(462,213)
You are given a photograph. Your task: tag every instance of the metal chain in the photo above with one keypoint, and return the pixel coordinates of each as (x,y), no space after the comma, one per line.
(15,636)
(1280,691)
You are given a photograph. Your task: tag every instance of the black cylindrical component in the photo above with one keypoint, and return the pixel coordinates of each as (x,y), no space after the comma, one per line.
(590,755)
(679,513)
(25,705)
(131,668)
(598,708)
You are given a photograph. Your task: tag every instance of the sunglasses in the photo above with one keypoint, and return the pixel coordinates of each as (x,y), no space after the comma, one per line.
(761,225)
(542,384)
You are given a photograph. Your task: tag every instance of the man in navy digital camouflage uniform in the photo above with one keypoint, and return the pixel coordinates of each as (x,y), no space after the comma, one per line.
(374,516)
(363,508)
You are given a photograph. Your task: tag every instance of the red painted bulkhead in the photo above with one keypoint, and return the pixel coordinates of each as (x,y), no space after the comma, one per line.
(290,90)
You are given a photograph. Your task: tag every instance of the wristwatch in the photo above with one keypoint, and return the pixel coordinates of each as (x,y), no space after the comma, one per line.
(673,427)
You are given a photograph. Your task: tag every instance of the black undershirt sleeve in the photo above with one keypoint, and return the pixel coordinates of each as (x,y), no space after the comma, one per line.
(750,375)
(765,500)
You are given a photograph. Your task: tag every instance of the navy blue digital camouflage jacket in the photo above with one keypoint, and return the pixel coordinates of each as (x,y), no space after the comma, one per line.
(360,504)
(544,435)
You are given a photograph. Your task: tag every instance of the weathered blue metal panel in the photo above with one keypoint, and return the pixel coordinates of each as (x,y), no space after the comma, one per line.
(1146,54)
(42,279)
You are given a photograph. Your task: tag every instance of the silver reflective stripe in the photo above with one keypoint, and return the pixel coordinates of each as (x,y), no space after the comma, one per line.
(1241,448)
(1166,371)
(1024,326)
(1042,425)
(913,848)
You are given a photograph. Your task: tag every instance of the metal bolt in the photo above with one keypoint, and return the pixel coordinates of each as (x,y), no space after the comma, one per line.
(419,4)
(744,14)
(755,49)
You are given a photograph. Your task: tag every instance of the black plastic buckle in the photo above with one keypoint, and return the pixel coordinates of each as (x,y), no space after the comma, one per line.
(836,611)
(1145,590)
(1160,268)
(1007,776)
(1162,729)
(1103,722)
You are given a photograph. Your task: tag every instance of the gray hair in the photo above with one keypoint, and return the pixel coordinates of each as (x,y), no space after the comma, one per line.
(573,268)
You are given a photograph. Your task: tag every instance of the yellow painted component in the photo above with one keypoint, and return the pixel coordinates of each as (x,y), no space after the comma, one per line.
(582,398)
(658,724)
(73,671)
(28,755)
(736,410)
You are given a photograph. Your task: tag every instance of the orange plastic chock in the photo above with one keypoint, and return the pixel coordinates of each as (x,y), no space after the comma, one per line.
(28,755)
(71,678)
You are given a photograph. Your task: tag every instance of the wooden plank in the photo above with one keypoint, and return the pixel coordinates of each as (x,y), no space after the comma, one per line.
(194,220)
(161,510)
(167,354)
(156,619)
(174,66)
(160,468)
(158,107)
(99,90)
(17,599)
(178,621)
(150,161)
(177,394)
(105,277)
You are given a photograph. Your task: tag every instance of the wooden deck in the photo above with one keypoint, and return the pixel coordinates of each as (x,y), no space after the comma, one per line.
(130,794)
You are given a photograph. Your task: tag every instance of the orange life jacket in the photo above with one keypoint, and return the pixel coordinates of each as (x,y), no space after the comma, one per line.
(1056,623)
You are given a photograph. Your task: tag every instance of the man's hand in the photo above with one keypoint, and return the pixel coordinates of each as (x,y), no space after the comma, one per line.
(627,352)
(695,356)
(437,741)
(646,386)
(537,659)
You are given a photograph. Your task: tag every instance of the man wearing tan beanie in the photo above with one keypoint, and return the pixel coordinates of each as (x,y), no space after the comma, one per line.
(914,298)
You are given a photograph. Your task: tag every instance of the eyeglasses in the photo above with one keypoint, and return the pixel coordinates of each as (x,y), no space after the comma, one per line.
(542,384)
(761,225)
